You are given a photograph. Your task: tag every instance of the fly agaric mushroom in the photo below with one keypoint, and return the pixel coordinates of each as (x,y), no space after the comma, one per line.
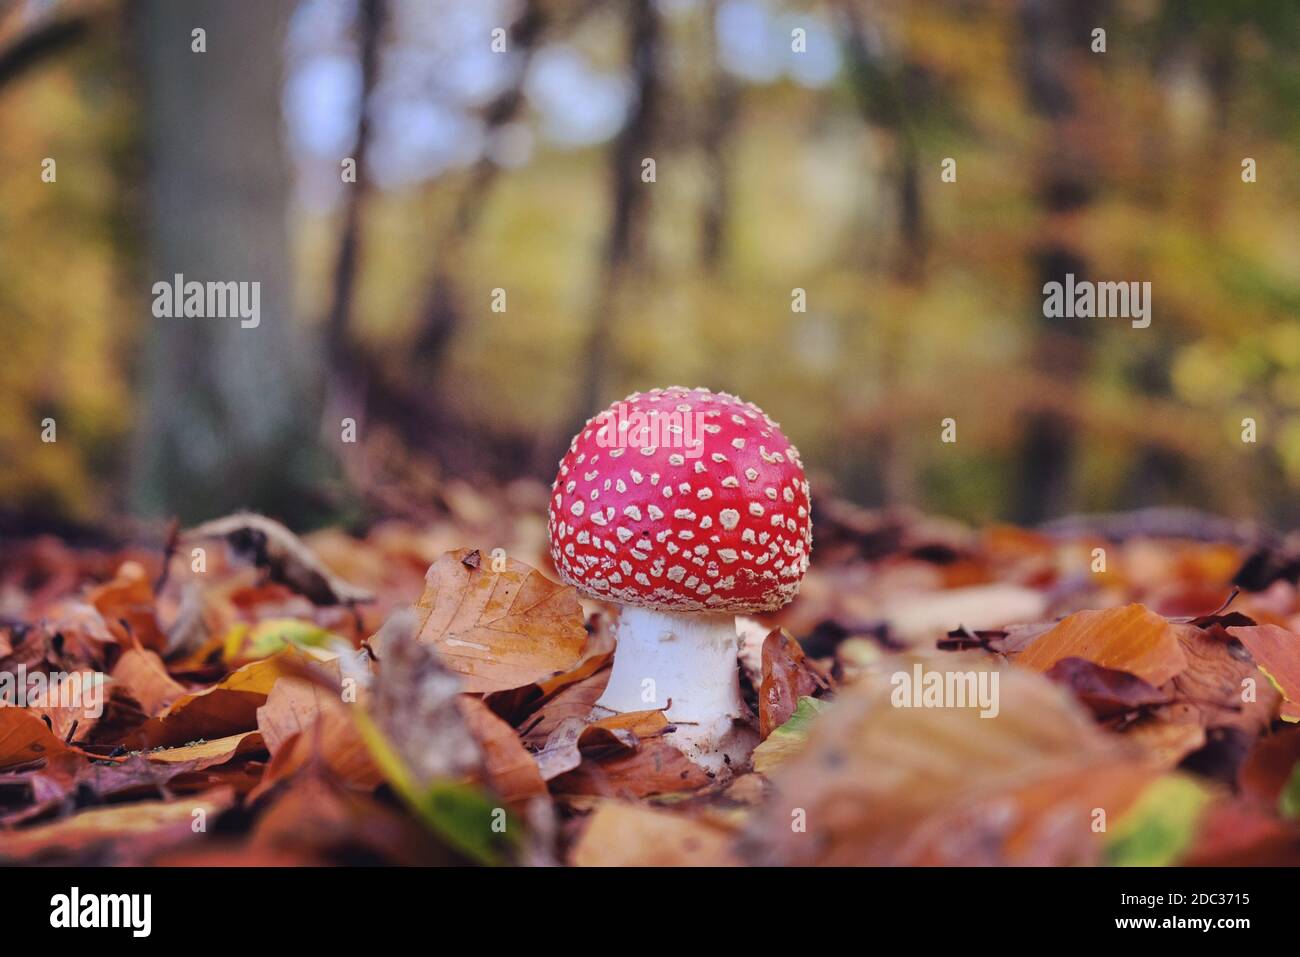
(685,507)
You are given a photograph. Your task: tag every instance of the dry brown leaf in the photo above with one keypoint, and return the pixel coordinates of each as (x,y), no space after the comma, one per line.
(118,835)
(312,815)
(629,835)
(334,742)
(1277,652)
(1215,680)
(293,706)
(207,754)
(517,703)
(24,738)
(71,721)
(1168,735)
(1104,691)
(573,702)
(226,708)
(271,546)
(576,739)
(788,675)
(142,675)
(510,770)
(1131,639)
(879,784)
(499,630)
(128,602)
(1269,767)
(655,767)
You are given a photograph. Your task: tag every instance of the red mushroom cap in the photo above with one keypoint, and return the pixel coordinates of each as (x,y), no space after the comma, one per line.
(682,500)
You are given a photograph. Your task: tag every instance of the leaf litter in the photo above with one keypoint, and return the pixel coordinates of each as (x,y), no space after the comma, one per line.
(425,695)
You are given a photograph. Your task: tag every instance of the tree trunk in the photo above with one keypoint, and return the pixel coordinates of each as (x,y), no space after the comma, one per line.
(225,422)
(1056,35)
(629,204)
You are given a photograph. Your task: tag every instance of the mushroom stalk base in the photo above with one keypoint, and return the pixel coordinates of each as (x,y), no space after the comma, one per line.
(690,660)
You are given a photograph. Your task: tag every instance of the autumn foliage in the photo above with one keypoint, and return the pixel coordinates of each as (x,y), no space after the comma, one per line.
(406,697)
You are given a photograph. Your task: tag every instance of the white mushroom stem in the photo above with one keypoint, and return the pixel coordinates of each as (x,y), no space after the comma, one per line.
(690,660)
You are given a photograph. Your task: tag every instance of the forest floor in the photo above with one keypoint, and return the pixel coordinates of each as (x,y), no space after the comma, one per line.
(1117,692)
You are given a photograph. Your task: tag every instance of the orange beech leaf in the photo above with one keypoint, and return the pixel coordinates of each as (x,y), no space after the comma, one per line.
(1277,652)
(142,674)
(206,754)
(1132,639)
(129,599)
(517,703)
(226,708)
(498,630)
(24,737)
(629,835)
(510,770)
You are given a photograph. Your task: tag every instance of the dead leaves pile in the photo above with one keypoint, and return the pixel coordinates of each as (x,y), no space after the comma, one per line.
(255,711)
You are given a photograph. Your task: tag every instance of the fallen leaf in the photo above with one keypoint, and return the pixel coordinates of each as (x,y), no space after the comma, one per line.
(118,835)
(1160,826)
(577,738)
(787,740)
(1105,691)
(284,557)
(788,675)
(932,614)
(515,704)
(1277,652)
(499,630)
(1240,834)
(510,770)
(1270,767)
(226,708)
(25,738)
(142,674)
(128,601)
(879,784)
(655,767)
(414,707)
(206,754)
(575,701)
(1130,639)
(619,834)
(313,816)
(1216,680)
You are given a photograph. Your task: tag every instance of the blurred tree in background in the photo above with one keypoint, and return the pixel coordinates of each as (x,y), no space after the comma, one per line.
(796,146)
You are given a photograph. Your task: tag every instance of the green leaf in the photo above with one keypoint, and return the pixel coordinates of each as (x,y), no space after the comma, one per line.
(268,637)
(464,816)
(1160,825)
(1288,802)
(788,740)
(469,820)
